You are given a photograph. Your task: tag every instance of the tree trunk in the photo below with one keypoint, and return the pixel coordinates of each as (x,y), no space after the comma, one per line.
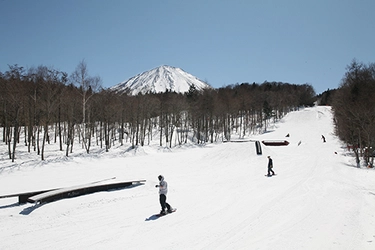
(44,141)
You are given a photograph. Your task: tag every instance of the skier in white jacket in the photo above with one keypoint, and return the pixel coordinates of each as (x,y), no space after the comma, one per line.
(163,190)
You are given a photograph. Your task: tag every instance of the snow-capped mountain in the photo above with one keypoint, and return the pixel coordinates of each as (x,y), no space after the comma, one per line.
(159,80)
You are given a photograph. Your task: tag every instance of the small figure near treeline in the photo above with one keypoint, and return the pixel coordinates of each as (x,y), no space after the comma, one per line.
(270,166)
(163,190)
(323,138)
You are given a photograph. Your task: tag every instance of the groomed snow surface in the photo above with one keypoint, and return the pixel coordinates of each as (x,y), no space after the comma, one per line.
(318,200)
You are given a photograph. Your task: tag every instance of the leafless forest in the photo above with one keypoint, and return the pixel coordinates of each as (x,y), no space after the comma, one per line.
(353,104)
(42,106)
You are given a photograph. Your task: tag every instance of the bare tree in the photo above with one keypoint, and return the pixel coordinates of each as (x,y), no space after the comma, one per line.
(14,89)
(354,110)
(88,86)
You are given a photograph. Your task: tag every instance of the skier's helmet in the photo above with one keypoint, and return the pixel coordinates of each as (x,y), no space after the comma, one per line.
(160,177)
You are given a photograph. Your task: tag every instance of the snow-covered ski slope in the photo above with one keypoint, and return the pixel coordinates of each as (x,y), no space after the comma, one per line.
(318,200)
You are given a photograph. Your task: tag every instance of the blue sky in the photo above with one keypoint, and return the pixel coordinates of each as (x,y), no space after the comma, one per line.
(221,42)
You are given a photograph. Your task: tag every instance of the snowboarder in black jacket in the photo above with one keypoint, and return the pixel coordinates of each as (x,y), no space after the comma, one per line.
(270,166)
(163,190)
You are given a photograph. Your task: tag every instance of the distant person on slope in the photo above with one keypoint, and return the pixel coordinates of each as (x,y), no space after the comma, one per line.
(323,138)
(270,166)
(163,190)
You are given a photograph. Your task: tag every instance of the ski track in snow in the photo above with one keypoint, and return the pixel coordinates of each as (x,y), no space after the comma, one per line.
(317,200)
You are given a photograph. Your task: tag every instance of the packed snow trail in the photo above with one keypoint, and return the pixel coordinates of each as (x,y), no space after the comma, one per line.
(318,200)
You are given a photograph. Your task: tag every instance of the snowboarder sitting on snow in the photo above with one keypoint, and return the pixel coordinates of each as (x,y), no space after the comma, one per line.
(270,166)
(163,190)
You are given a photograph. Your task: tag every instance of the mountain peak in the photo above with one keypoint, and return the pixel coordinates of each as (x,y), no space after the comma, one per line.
(159,80)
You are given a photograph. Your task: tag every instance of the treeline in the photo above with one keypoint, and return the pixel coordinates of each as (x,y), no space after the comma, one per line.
(354,110)
(48,106)
(326,98)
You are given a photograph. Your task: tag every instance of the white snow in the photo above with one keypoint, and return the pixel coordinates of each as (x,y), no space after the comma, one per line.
(318,200)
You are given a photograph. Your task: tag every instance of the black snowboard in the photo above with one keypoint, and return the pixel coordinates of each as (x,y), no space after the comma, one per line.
(269,175)
(157,216)
(172,211)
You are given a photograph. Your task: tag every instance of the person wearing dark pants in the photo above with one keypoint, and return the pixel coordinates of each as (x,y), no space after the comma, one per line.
(270,166)
(163,190)
(164,204)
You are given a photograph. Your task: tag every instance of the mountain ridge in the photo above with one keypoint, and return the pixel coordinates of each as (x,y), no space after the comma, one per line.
(159,80)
